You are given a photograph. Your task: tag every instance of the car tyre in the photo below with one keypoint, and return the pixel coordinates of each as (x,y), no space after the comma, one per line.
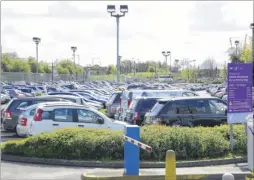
(16,132)
(176,124)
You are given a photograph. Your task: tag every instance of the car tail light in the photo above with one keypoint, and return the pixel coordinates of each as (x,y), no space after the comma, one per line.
(38,114)
(23,121)
(129,102)
(7,114)
(136,116)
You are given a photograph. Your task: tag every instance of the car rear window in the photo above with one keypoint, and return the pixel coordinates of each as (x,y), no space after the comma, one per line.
(158,106)
(133,104)
(112,98)
(145,105)
(18,104)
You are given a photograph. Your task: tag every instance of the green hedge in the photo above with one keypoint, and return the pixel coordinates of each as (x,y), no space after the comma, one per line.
(92,144)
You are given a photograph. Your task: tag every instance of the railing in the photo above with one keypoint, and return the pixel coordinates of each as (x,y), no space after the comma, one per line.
(48,77)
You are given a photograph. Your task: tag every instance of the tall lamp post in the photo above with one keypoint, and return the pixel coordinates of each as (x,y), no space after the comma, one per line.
(189,70)
(112,10)
(37,40)
(166,54)
(236,49)
(73,48)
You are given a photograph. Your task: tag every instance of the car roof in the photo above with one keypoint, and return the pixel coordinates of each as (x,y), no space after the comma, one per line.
(187,98)
(138,98)
(63,96)
(36,98)
(52,104)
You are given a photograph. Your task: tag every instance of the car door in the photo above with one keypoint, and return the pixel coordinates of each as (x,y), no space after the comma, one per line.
(63,117)
(88,119)
(183,113)
(168,113)
(200,112)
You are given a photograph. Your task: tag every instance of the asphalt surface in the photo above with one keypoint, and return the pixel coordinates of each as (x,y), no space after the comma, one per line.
(18,171)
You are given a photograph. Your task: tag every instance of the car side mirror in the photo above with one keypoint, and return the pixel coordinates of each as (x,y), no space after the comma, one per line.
(100,120)
(226,111)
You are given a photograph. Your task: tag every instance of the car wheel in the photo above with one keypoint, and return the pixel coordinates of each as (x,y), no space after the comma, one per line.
(16,132)
(176,124)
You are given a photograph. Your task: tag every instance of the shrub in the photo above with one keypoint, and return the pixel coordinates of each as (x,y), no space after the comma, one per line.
(94,144)
(38,94)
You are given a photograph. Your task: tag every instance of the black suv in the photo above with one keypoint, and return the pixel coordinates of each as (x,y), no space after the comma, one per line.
(188,111)
(12,111)
(138,108)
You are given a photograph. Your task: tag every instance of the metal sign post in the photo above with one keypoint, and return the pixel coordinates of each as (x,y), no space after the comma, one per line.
(239,90)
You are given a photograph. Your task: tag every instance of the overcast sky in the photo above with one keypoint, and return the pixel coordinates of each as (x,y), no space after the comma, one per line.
(194,30)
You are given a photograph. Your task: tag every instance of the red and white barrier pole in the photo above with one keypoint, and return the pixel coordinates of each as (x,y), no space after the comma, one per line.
(137,143)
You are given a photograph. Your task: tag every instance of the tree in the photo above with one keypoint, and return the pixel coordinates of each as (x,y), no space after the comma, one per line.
(210,66)
(111,69)
(6,63)
(20,66)
(32,63)
(246,53)
(224,72)
(151,69)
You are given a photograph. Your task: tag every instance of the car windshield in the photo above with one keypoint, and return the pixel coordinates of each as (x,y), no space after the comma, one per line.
(217,106)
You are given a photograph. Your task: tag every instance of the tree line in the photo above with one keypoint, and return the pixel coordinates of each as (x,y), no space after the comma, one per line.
(184,68)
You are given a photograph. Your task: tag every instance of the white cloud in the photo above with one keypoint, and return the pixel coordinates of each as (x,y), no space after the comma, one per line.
(188,29)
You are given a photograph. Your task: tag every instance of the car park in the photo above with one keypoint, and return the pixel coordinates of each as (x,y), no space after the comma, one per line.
(188,111)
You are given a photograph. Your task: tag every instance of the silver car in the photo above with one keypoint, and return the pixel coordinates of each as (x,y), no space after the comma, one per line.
(113,103)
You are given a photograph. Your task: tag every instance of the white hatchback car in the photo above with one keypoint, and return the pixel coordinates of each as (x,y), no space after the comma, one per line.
(50,116)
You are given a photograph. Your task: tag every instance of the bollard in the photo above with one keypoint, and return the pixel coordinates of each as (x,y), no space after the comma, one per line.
(228,176)
(170,168)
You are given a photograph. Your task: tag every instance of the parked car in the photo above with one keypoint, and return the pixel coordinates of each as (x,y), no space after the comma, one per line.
(49,117)
(113,103)
(25,119)
(5,98)
(13,109)
(188,111)
(225,98)
(138,108)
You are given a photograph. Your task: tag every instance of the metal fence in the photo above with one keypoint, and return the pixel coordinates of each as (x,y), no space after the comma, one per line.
(43,77)
(33,77)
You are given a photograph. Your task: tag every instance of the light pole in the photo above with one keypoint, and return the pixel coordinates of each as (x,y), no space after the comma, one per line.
(73,48)
(176,65)
(189,70)
(236,49)
(112,10)
(37,40)
(78,59)
(166,54)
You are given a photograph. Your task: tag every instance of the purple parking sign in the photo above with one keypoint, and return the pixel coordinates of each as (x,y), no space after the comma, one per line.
(239,88)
